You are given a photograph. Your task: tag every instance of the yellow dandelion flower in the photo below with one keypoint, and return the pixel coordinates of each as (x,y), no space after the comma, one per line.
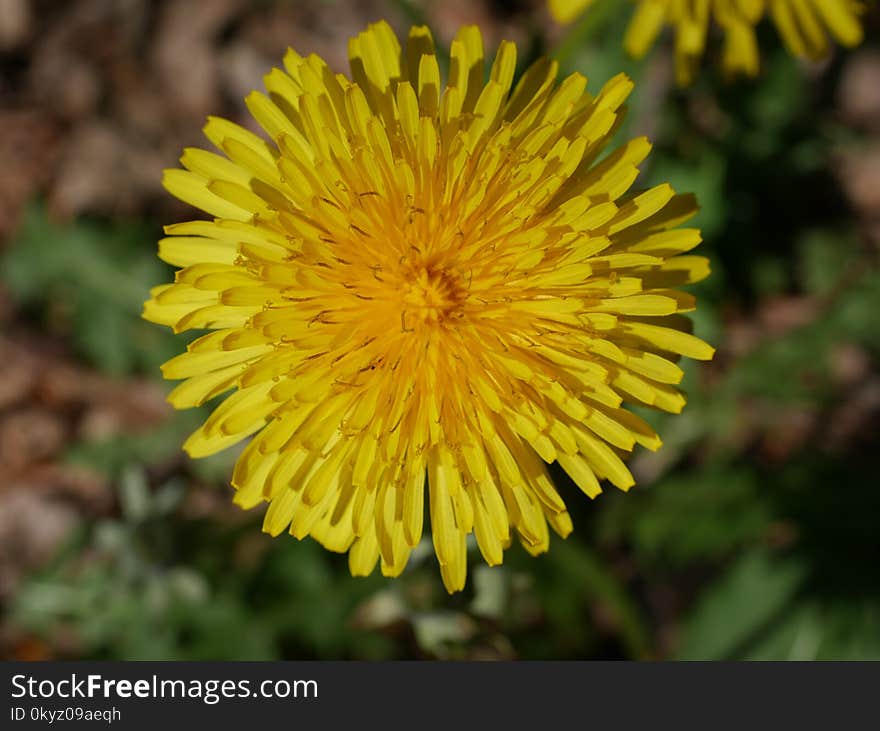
(423,291)
(691,21)
(806,24)
(805,27)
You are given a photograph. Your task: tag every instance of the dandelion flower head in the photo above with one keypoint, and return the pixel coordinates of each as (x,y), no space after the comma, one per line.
(691,21)
(806,27)
(421,294)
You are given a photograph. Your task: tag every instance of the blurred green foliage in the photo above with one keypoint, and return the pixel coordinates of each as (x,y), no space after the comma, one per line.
(741,540)
(90,281)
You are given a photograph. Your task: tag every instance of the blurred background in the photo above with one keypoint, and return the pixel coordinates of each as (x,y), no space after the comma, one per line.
(752,534)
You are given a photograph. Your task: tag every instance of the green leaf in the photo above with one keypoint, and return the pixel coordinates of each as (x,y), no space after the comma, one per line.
(89,281)
(737,607)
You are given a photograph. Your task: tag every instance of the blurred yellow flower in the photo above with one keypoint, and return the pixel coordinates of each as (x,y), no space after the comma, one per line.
(691,20)
(803,24)
(565,11)
(413,284)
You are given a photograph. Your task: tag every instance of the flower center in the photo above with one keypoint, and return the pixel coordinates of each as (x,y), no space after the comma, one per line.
(431,294)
